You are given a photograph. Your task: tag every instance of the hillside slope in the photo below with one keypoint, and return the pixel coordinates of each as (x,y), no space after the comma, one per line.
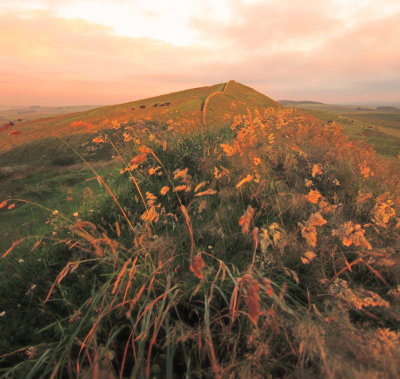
(184,105)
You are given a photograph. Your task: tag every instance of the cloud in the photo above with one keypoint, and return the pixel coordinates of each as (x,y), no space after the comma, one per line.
(291,49)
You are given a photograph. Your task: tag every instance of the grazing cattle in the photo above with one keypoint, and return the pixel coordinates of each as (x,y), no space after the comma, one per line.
(132,109)
(161,105)
(167,104)
(155,105)
(142,107)
(20,119)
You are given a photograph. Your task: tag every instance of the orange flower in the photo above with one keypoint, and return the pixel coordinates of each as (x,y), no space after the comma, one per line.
(248,178)
(98,140)
(3,204)
(313,196)
(228,150)
(307,257)
(180,173)
(11,206)
(182,187)
(245,220)
(164,190)
(138,158)
(257,161)
(196,266)
(316,170)
(152,170)
(210,191)
(199,186)
(316,220)
(365,171)
(309,233)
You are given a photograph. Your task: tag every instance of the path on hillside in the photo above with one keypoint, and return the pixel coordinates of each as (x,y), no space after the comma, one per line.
(204,104)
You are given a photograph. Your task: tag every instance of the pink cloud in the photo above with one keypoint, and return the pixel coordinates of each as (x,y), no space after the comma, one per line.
(294,50)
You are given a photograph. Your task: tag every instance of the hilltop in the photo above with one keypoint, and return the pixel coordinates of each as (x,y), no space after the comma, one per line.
(206,107)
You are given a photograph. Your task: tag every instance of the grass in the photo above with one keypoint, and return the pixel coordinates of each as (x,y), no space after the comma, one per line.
(265,246)
(381,130)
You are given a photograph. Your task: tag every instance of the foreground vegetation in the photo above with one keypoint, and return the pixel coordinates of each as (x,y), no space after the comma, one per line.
(266,247)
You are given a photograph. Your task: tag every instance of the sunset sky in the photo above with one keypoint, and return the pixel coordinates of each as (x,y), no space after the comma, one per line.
(70,52)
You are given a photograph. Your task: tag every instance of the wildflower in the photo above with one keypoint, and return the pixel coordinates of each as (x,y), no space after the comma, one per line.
(207,192)
(257,161)
(180,173)
(98,139)
(307,257)
(197,265)
(316,220)
(365,171)
(2,314)
(308,183)
(309,233)
(55,212)
(199,186)
(219,174)
(3,204)
(245,220)
(153,170)
(313,196)
(21,260)
(115,124)
(150,215)
(11,206)
(228,150)
(352,234)
(383,212)
(336,182)
(182,187)
(75,214)
(164,190)
(316,170)
(138,159)
(248,178)
(69,198)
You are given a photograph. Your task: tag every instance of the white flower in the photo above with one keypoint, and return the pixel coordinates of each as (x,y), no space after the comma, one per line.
(21,260)
(2,314)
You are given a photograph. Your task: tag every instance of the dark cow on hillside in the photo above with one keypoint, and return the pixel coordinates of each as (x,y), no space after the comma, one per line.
(142,107)
(155,105)
(167,104)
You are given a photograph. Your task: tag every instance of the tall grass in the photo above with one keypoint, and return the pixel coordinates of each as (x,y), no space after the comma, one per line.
(266,248)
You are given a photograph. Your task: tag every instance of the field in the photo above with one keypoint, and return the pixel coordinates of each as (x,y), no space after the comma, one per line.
(378,128)
(219,236)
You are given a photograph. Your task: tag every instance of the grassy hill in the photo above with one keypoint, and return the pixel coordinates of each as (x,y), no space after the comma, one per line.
(44,163)
(184,105)
(227,237)
(378,128)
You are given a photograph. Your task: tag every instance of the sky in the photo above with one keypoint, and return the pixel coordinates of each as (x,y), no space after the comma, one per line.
(74,52)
